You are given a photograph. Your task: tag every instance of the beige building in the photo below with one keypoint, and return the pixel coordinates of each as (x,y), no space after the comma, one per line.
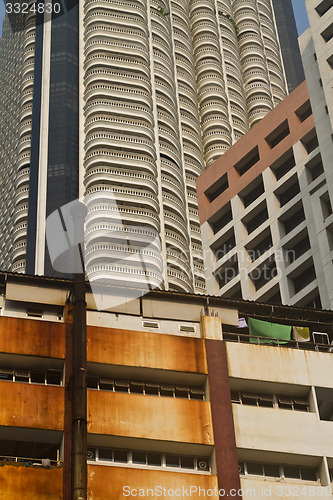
(181,402)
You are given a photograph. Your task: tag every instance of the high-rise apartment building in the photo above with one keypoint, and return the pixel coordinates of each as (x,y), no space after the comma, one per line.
(181,402)
(137,98)
(265,206)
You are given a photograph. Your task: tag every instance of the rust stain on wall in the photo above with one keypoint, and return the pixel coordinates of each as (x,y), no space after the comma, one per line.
(132,348)
(32,406)
(32,337)
(149,417)
(106,483)
(30,483)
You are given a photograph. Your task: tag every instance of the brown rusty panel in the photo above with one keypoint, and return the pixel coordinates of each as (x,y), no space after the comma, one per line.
(145,349)
(109,483)
(32,406)
(30,483)
(222,417)
(32,337)
(149,417)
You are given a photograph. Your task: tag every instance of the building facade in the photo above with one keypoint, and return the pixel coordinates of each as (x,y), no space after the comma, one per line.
(286,26)
(180,402)
(137,99)
(273,185)
(265,211)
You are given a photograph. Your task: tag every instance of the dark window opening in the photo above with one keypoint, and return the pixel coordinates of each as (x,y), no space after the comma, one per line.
(288,194)
(250,196)
(248,161)
(327,34)
(252,224)
(217,188)
(224,246)
(304,111)
(263,274)
(293,220)
(228,272)
(275,137)
(326,206)
(325,403)
(225,216)
(288,162)
(304,279)
(255,250)
(294,252)
(324,7)
(310,142)
(314,168)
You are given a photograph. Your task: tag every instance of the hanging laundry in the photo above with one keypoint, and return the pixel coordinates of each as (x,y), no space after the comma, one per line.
(242,323)
(301,333)
(272,331)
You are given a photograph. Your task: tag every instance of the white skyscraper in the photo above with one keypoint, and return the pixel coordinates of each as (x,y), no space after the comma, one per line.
(137,97)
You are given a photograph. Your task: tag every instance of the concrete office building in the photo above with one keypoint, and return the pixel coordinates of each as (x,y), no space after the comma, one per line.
(178,396)
(265,211)
(140,98)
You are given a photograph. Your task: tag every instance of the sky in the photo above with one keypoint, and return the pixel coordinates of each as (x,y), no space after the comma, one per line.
(299,9)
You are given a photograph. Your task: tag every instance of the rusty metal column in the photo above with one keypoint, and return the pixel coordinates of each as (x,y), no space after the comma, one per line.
(220,402)
(79,401)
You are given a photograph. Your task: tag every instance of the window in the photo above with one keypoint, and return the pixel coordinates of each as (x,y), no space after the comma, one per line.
(288,191)
(252,192)
(310,141)
(110,456)
(217,188)
(248,161)
(260,245)
(49,377)
(314,168)
(224,245)
(227,272)
(304,111)
(270,401)
(222,218)
(284,164)
(275,137)
(145,388)
(279,471)
(256,218)
(326,206)
(305,278)
(294,250)
(327,34)
(292,218)
(324,7)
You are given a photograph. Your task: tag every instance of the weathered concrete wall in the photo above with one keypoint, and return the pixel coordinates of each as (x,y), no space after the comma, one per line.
(32,406)
(145,349)
(106,483)
(30,483)
(32,338)
(149,417)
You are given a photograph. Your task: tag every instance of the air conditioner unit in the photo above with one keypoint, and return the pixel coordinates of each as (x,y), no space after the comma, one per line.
(150,324)
(187,328)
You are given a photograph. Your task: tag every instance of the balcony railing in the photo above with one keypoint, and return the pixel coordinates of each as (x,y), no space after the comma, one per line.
(291,344)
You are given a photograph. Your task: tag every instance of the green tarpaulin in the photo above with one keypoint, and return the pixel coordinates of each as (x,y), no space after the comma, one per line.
(271,331)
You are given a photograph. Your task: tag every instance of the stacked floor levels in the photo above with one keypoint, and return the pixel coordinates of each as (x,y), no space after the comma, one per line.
(179,398)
